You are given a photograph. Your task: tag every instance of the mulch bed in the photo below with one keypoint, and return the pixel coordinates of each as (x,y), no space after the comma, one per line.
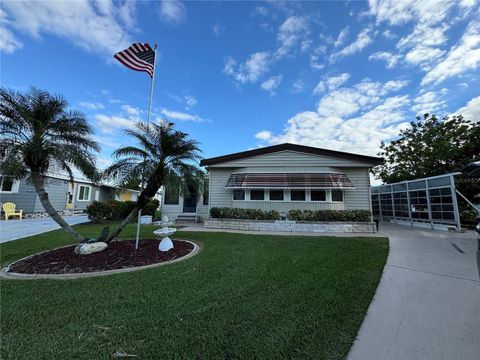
(118,255)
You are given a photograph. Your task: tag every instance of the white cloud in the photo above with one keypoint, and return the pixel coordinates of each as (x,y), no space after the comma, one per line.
(331,83)
(110,123)
(471,111)
(342,36)
(461,58)
(263,135)
(395,85)
(218,30)
(260,10)
(8,42)
(272,84)
(298,86)
(173,12)
(429,102)
(290,33)
(91,106)
(127,118)
(251,70)
(389,58)
(354,119)
(190,101)
(363,39)
(101,27)
(132,112)
(181,116)
(396,12)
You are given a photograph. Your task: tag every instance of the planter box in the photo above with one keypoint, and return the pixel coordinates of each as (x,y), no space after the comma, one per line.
(291,226)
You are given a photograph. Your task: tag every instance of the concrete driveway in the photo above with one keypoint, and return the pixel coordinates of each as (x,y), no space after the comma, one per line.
(14,229)
(427,305)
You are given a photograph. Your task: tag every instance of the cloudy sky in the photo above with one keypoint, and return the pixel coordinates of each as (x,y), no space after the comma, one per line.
(239,75)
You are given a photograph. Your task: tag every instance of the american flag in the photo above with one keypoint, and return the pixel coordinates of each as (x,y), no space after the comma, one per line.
(139,57)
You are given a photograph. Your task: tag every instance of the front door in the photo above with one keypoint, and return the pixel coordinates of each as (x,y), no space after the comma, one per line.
(190,202)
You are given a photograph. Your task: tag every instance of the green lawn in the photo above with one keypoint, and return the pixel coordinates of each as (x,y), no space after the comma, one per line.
(241,297)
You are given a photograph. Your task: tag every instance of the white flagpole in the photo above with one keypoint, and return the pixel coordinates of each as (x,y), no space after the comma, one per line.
(148,125)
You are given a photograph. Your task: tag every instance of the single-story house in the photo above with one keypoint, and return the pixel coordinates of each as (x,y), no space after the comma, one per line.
(66,198)
(282,177)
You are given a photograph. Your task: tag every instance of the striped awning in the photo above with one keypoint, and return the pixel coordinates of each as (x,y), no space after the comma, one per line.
(289,181)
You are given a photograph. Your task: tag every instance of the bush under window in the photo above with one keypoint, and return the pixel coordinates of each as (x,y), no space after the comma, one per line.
(330,215)
(248,214)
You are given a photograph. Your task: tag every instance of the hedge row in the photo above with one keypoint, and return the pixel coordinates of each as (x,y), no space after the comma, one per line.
(99,211)
(330,215)
(249,214)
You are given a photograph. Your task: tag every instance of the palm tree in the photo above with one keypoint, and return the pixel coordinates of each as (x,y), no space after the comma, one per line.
(41,136)
(165,156)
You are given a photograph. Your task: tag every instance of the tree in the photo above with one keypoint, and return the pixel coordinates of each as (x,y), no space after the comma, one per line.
(432,147)
(164,157)
(41,136)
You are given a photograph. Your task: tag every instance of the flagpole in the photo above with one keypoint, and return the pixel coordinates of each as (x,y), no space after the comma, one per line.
(148,126)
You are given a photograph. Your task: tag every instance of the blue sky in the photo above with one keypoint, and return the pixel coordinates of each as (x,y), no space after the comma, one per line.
(239,75)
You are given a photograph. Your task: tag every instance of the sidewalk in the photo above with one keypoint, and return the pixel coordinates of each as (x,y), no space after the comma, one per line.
(427,305)
(14,229)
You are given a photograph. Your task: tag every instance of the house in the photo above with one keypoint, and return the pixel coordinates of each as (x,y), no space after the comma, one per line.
(66,198)
(282,177)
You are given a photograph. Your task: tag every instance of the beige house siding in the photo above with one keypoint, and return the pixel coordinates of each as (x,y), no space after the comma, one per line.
(282,162)
(298,159)
(360,197)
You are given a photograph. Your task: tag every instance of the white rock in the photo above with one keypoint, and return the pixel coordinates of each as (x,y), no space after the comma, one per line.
(86,249)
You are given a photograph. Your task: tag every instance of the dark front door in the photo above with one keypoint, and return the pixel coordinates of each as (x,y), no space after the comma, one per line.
(190,203)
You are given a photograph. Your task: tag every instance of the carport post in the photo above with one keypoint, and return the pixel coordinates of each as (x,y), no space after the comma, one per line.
(427,190)
(456,213)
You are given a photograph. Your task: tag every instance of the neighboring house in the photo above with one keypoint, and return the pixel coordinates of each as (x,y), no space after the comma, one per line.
(66,198)
(281,177)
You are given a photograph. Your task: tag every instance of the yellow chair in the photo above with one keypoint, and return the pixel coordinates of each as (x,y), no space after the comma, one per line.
(9,210)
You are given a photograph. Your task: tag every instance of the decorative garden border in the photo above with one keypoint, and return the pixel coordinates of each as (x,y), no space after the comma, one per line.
(4,274)
(291,226)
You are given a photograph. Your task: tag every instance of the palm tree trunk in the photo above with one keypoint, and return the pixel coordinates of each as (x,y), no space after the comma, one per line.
(124,223)
(37,180)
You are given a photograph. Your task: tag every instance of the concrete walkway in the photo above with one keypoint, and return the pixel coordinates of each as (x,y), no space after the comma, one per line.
(427,305)
(14,229)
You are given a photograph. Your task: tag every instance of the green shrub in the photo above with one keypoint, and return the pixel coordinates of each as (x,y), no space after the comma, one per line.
(248,214)
(151,207)
(157,216)
(330,215)
(99,211)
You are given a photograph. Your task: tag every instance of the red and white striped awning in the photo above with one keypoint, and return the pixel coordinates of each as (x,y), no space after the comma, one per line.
(290,181)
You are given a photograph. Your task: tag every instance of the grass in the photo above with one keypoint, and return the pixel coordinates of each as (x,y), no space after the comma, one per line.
(241,297)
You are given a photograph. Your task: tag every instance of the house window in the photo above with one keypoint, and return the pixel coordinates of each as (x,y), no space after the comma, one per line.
(297,195)
(84,192)
(205,192)
(238,194)
(257,195)
(318,195)
(6,184)
(276,195)
(172,197)
(337,195)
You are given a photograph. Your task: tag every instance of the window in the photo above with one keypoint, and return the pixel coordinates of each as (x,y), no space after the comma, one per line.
(276,195)
(6,184)
(257,195)
(205,192)
(84,193)
(238,194)
(318,195)
(297,195)
(337,195)
(172,197)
